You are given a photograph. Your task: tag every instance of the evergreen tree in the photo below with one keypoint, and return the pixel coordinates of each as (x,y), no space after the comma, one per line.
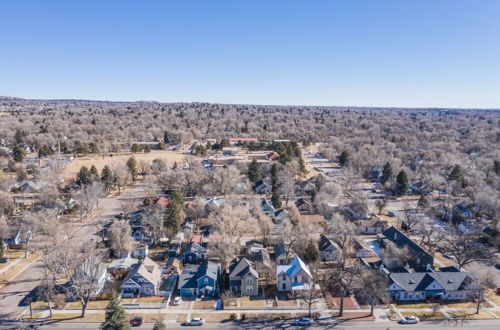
(94,172)
(116,318)
(147,149)
(276,199)
(344,158)
(132,167)
(107,177)
(302,166)
(19,136)
(135,148)
(173,214)
(93,148)
(274,176)
(401,183)
(456,173)
(18,154)
(496,167)
(386,173)
(311,252)
(253,172)
(1,248)
(166,137)
(84,176)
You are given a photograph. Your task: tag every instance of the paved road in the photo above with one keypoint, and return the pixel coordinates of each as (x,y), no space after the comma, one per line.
(11,294)
(326,324)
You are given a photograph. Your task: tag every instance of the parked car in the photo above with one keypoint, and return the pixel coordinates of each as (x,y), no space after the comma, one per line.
(4,260)
(303,322)
(391,214)
(449,256)
(410,320)
(136,321)
(197,321)
(177,301)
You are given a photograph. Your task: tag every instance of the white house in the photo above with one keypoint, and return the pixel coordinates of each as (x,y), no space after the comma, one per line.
(294,277)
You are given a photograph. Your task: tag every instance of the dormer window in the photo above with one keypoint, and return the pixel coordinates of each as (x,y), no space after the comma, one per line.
(411,282)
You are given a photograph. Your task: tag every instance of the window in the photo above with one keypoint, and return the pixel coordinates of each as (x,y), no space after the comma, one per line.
(284,286)
(249,289)
(206,280)
(249,280)
(284,276)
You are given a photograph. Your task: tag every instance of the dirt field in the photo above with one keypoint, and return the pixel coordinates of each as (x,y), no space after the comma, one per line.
(74,166)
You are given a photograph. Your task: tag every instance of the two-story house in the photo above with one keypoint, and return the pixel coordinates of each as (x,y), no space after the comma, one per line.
(328,249)
(143,279)
(294,277)
(198,280)
(243,278)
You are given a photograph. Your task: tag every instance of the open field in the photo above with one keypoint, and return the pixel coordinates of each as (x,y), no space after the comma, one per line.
(72,168)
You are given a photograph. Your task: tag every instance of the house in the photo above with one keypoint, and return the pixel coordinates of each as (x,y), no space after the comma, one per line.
(253,246)
(262,262)
(173,265)
(262,187)
(140,252)
(62,206)
(307,187)
(228,151)
(213,204)
(162,201)
(29,186)
(375,225)
(21,237)
(328,249)
(194,254)
(293,277)
(235,140)
(304,206)
(281,255)
(243,278)
(198,280)
(143,279)
(280,215)
(188,226)
(421,286)
(360,250)
(267,207)
(92,272)
(272,155)
(421,260)
(120,267)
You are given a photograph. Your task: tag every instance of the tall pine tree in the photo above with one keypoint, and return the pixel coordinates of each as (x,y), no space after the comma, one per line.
(401,183)
(116,317)
(386,173)
(253,172)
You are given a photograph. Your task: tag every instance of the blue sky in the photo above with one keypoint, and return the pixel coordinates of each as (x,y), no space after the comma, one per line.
(406,53)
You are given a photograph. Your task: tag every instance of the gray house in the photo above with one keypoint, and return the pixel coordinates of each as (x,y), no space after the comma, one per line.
(143,279)
(328,249)
(243,278)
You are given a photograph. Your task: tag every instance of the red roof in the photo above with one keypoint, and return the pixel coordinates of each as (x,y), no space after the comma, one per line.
(196,239)
(243,139)
(163,201)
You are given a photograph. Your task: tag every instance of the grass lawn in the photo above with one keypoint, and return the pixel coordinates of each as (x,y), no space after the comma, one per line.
(490,293)
(287,303)
(37,305)
(356,316)
(149,300)
(471,315)
(213,317)
(413,305)
(253,303)
(465,304)
(95,304)
(204,304)
(423,316)
(74,166)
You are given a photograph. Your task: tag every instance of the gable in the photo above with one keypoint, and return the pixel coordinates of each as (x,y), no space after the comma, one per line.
(434,286)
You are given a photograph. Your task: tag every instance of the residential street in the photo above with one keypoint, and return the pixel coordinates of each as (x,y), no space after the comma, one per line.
(11,295)
(325,324)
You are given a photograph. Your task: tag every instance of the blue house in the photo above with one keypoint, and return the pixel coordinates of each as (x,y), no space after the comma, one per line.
(267,207)
(194,254)
(198,280)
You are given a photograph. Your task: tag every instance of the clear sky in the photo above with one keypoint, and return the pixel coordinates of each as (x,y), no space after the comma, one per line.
(433,53)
